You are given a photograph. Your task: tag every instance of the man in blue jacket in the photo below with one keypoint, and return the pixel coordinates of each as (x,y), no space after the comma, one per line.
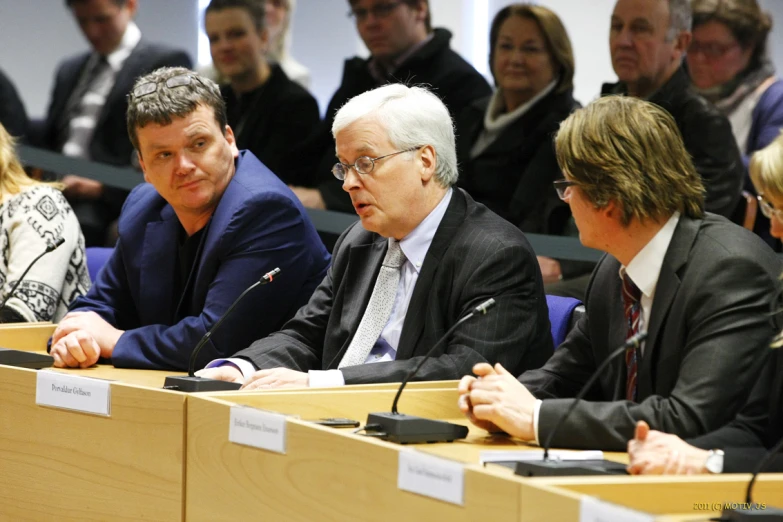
(210,222)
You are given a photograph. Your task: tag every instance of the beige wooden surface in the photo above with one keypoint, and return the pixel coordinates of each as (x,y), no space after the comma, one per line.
(28,337)
(326,474)
(61,465)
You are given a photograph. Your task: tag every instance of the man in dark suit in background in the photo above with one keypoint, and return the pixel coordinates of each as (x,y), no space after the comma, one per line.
(404,49)
(424,255)
(699,285)
(86,116)
(12,114)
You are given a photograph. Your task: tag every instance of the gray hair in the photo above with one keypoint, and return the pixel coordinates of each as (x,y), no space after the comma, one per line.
(680,18)
(412,117)
(162,102)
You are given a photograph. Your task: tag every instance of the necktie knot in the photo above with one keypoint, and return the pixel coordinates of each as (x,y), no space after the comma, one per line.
(395,257)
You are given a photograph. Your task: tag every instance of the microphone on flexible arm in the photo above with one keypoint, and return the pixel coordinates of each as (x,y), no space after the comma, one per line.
(407,429)
(556,467)
(21,358)
(191,383)
(749,511)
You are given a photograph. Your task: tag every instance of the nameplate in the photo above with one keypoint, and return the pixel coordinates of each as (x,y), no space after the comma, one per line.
(72,392)
(431,476)
(593,510)
(257,428)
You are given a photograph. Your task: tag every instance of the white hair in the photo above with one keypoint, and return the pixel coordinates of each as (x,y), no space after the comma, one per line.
(412,117)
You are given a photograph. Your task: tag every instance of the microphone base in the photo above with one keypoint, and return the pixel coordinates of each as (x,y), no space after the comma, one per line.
(22,359)
(407,429)
(569,468)
(746,514)
(193,384)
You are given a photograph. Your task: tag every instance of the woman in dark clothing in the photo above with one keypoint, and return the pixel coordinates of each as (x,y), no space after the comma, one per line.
(269,114)
(505,142)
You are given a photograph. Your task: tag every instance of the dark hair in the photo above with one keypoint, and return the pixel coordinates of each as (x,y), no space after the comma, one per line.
(160,105)
(744,18)
(558,44)
(413,4)
(255,8)
(69,3)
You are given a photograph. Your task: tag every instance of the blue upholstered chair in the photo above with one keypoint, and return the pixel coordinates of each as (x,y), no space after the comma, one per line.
(96,258)
(563,313)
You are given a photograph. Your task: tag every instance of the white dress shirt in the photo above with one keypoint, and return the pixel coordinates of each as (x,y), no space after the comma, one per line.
(415,246)
(644,270)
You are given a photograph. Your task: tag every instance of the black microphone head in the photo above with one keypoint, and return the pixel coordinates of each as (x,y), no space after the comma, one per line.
(57,243)
(483,307)
(269,276)
(636,340)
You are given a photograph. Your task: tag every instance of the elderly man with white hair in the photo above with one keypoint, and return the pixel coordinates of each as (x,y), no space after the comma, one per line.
(422,257)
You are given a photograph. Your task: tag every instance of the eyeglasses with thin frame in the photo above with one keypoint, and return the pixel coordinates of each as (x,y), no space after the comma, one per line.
(561,186)
(711,50)
(377,11)
(363,164)
(145,89)
(768,210)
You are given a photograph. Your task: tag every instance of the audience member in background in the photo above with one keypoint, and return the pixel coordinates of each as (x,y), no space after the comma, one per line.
(12,114)
(404,49)
(279,15)
(647,41)
(505,142)
(699,286)
(209,223)
(269,114)
(739,446)
(730,67)
(33,216)
(422,257)
(86,116)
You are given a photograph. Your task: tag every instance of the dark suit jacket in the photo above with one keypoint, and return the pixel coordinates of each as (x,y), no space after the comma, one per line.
(709,328)
(708,139)
(474,255)
(12,114)
(435,65)
(110,143)
(513,176)
(273,121)
(258,225)
(757,427)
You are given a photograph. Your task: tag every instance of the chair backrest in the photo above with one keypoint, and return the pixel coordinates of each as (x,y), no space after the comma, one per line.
(96,258)
(561,313)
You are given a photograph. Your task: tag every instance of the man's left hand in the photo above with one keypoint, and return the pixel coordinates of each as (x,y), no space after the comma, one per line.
(277,378)
(104,334)
(652,452)
(499,399)
(310,198)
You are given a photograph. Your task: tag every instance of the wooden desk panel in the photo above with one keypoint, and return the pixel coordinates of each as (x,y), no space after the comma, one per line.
(30,337)
(62,465)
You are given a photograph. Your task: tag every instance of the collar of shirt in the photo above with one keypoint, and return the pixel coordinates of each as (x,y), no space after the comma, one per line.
(128,43)
(645,268)
(379,72)
(495,118)
(416,244)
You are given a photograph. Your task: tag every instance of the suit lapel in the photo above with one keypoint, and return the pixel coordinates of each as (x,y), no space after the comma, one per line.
(70,83)
(665,292)
(413,326)
(123,82)
(158,255)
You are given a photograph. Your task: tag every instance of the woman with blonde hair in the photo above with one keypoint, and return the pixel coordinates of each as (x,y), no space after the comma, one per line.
(278,22)
(35,216)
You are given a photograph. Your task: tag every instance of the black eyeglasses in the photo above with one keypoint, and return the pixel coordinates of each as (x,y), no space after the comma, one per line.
(363,165)
(377,11)
(181,80)
(561,186)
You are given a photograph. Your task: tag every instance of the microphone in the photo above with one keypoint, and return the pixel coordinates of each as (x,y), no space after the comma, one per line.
(408,429)
(20,358)
(740,512)
(557,467)
(191,383)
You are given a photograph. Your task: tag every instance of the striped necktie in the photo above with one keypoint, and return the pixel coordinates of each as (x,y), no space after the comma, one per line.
(633,311)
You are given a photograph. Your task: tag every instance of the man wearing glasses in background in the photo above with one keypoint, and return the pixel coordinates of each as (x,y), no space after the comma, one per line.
(209,223)
(700,286)
(422,257)
(404,49)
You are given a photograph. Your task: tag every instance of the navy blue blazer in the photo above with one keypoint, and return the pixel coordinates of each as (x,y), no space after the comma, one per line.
(258,225)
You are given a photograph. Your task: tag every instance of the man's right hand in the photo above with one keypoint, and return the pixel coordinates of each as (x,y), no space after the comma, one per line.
(227,372)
